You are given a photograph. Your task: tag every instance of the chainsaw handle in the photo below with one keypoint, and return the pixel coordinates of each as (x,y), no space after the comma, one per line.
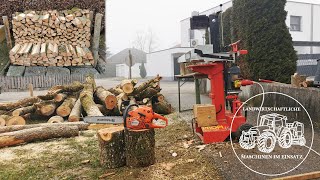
(156,117)
(126,112)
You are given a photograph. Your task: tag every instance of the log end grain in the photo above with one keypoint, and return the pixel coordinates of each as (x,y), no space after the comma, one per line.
(16,120)
(56,119)
(111,102)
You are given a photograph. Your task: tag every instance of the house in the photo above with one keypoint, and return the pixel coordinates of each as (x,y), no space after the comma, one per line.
(121,61)
(301,20)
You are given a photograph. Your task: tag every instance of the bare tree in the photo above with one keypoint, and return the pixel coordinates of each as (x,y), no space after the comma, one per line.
(145,41)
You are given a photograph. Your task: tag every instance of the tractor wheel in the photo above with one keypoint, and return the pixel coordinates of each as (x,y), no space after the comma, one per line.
(244,127)
(285,138)
(247,140)
(266,142)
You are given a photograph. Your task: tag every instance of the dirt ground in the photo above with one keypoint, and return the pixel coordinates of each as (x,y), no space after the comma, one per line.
(179,154)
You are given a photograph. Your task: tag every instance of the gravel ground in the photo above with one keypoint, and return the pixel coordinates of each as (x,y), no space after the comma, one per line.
(228,165)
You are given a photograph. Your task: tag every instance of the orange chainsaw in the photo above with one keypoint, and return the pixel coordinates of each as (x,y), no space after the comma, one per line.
(140,117)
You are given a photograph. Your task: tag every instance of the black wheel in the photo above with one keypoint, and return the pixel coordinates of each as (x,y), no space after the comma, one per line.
(244,127)
(266,142)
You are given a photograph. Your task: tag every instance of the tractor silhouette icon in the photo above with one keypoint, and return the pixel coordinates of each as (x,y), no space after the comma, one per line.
(272,128)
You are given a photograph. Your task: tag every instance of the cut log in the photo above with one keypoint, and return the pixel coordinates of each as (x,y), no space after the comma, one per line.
(21,103)
(4,119)
(75,114)
(74,87)
(86,98)
(36,134)
(65,108)
(46,108)
(140,147)
(145,85)
(147,93)
(106,98)
(24,110)
(127,86)
(15,120)
(112,147)
(162,108)
(307,83)
(116,91)
(103,109)
(296,79)
(82,126)
(60,97)
(56,119)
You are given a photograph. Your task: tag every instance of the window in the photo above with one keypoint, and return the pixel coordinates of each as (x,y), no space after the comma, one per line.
(295,23)
(191,34)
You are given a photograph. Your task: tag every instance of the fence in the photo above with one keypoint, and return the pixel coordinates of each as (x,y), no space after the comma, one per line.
(39,82)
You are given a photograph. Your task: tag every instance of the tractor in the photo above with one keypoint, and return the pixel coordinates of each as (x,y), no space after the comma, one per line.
(273,128)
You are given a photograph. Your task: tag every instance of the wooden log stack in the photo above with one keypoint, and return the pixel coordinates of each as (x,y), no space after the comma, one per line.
(77,100)
(52,38)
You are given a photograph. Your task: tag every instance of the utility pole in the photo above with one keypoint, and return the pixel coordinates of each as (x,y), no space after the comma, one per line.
(130,64)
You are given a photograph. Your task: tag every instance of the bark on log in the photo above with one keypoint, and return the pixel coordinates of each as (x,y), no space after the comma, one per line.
(148,93)
(21,103)
(307,83)
(145,85)
(75,114)
(35,134)
(103,109)
(82,126)
(46,108)
(65,108)
(106,98)
(56,119)
(86,98)
(162,108)
(112,147)
(2,112)
(74,87)
(116,91)
(24,110)
(15,120)
(296,79)
(140,147)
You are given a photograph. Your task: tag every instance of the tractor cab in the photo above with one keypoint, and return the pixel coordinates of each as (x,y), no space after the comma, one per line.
(273,121)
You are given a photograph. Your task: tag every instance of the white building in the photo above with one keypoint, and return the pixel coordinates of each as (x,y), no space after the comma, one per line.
(302,21)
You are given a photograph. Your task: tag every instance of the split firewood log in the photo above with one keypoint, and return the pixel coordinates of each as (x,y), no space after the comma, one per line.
(65,108)
(106,98)
(24,110)
(307,83)
(56,119)
(75,114)
(35,134)
(81,125)
(22,103)
(112,147)
(140,147)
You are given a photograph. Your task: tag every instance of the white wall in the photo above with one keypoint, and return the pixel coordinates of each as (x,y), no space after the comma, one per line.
(122,70)
(162,62)
(302,8)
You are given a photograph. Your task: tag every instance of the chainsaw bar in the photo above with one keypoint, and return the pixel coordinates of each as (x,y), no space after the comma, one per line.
(103,119)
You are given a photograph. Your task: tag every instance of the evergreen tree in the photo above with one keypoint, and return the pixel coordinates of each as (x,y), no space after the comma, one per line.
(261,27)
(143,72)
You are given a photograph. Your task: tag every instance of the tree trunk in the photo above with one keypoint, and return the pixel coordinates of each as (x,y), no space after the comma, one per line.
(162,108)
(56,119)
(86,98)
(65,108)
(46,108)
(112,148)
(82,126)
(127,86)
(140,147)
(21,103)
(106,98)
(24,110)
(75,87)
(15,120)
(75,114)
(35,134)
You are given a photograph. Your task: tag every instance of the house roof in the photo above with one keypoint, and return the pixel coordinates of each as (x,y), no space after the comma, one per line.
(138,56)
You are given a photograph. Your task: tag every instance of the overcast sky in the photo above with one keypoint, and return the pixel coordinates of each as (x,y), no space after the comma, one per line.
(127,17)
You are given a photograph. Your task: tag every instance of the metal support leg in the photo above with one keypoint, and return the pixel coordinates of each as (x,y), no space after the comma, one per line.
(179,94)
(197,88)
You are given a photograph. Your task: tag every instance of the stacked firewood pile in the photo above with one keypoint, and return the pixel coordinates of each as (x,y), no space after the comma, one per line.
(50,54)
(52,38)
(60,27)
(72,102)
